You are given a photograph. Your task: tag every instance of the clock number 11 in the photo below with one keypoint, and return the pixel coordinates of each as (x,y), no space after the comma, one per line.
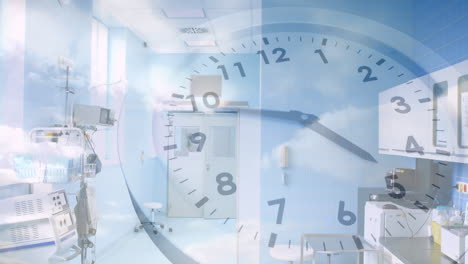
(225,73)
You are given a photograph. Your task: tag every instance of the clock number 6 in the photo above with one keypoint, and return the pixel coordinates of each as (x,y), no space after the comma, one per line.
(281,202)
(198,138)
(405,108)
(226,180)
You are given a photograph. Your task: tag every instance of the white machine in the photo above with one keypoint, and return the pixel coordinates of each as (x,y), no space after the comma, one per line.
(37,228)
(452,242)
(92,115)
(387,219)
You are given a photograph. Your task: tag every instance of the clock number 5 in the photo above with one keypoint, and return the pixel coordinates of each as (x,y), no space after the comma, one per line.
(404,107)
(281,202)
(368,77)
(226,180)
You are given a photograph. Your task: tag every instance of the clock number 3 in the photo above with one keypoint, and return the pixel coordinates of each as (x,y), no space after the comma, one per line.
(368,77)
(226,180)
(404,107)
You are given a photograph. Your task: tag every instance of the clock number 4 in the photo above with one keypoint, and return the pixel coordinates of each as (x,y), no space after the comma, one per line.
(281,202)
(225,73)
(282,56)
(413,146)
(404,108)
(368,77)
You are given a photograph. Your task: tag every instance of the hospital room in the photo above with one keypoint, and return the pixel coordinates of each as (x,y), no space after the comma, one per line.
(233,132)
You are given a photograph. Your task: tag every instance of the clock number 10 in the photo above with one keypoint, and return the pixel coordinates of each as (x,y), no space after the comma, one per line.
(207,103)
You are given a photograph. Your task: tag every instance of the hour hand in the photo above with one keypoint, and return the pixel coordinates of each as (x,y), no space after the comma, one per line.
(312,122)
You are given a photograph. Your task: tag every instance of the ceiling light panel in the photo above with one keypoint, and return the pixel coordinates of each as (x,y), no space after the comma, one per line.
(200,43)
(184,12)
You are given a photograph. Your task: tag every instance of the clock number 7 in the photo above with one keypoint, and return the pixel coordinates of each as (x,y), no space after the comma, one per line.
(281,202)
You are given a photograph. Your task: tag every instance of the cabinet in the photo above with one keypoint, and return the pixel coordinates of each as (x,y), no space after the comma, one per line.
(427,117)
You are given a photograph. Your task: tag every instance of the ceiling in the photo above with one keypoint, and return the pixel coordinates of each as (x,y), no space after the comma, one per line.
(159,22)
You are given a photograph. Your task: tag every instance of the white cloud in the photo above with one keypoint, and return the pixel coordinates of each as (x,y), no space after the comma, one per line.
(219,249)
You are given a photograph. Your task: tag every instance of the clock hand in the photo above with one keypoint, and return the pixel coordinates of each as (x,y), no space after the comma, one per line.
(312,122)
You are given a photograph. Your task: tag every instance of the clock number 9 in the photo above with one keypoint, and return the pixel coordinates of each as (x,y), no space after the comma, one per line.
(198,138)
(226,180)
(205,101)
(404,107)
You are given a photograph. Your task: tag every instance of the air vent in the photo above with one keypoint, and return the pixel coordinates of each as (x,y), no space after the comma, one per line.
(194,30)
(28,207)
(24,233)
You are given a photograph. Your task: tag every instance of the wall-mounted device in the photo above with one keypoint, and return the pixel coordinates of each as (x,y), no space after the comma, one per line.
(453,242)
(38,228)
(92,115)
(463,111)
(440,115)
(283,161)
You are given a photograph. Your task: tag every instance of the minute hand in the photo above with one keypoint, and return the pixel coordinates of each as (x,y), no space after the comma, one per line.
(312,122)
(339,140)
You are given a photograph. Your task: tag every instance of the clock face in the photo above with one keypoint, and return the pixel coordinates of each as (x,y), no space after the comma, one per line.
(316,94)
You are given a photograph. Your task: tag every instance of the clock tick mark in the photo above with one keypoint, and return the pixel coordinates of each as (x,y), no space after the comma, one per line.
(401,75)
(347,47)
(205,65)
(233,50)
(188,78)
(289,38)
(255,43)
(410,82)
(359,51)
(197,72)
(266,41)
(222,53)
(184,181)
(255,237)
(436,186)
(176,170)
(324,42)
(430,197)
(417,91)
(272,241)
(324,246)
(336,43)
(440,175)
(227,219)
(178,96)
(300,38)
(370,56)
(277,39)
(424,100)
(289,245)
(312,40)
(388,232)
(212,212)
(192,192)
(390,68)
(380,62)
(213,59)
(240,229)
(170,147)
(442,152)
(410,214)
(443,164)
(173,158)
(202,202)
(243,45)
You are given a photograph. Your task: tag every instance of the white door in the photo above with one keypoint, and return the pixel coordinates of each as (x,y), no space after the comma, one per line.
(221,165)
(202,170)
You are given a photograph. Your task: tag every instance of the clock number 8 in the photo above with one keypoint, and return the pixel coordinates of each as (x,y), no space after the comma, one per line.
(405,108)
(226,180)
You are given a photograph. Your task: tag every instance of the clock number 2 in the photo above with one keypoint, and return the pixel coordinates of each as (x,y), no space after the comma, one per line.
(226,180)
(282,57)
(281,202)
(404,107)
(368,77)
(198,138)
